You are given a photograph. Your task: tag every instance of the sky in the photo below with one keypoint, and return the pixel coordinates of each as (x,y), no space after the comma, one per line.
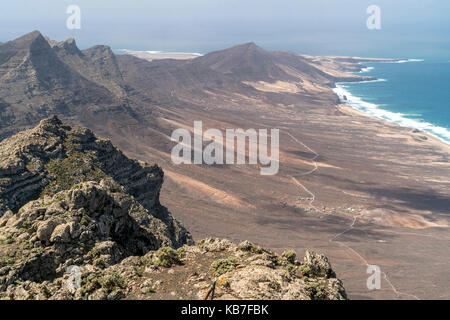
(409,28)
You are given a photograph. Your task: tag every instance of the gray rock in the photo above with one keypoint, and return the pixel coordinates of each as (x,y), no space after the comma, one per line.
(61,233)
(45,229)
(318,265)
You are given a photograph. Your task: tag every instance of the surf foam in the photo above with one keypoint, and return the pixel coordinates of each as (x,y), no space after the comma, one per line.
(405,61)
(402,119)
(126,51)
(366,69)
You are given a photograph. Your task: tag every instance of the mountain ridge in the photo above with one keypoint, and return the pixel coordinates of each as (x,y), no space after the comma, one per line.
(98,212)
(367,173)
(40,77)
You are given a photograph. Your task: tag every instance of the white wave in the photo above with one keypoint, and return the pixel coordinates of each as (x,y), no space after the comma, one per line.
(405,61)
(123,50)
(372,109)
(376,80)
(157,52)
(363,81)
(366,69)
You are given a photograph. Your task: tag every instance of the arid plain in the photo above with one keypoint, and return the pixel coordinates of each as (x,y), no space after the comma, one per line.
(361,190)
(364,191)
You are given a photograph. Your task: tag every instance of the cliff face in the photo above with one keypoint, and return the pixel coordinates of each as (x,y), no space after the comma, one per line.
(93,87)
(69,200)
(40,77)
(54,157)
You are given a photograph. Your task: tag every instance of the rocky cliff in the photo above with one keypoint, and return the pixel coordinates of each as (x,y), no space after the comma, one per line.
(54,157)
(70,201)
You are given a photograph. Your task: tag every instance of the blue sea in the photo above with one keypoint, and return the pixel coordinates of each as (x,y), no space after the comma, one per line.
(413,93)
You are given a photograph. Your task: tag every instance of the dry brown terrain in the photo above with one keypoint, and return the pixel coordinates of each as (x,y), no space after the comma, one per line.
(361,190)
(393,184)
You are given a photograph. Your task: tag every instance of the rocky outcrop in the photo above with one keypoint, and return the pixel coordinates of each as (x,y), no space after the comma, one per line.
(213,269)
(72,202)
(40,77)
(54,157)
(93,223)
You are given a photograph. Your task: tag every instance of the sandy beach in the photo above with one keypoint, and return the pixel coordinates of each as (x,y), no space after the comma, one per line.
(149,56)
(362,190)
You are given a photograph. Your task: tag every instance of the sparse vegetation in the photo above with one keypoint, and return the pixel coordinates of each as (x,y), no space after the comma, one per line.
(4,261)
(222,266)
(168,257)
(27,245)
(75,168)
(48,204)
(90,284)
(113,282)
(222,282)
(305,270)
(94,228)
(10,239)
(150,289)
(108,283)
(315,290)
(290,256)
(250,247)
(45,291)
(99,262)
(274,285)
(26,226)
(274,259)
(85,220)
(291,269)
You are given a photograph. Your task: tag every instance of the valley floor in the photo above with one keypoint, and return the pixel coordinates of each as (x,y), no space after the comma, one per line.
(364,191)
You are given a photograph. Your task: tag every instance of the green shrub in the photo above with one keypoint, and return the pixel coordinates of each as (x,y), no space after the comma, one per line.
(315,290)
(109,283)
(68,172)
(168,257)
(113,282)
(290,256)
(222,266)
(10,240)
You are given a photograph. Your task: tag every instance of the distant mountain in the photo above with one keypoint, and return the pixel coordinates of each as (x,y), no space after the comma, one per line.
(252,63)
(245,62)
(334,162)
(39,78)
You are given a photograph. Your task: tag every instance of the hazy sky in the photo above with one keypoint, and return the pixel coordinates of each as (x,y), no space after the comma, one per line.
(415,28)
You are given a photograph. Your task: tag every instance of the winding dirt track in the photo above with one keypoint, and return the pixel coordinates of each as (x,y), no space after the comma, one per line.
(352,225)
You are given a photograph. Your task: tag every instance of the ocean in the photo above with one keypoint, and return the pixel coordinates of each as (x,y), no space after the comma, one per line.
(414,93)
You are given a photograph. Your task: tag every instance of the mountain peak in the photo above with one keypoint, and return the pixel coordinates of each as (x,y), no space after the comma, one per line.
(69,45)
(33,41)
(247,62)
(31,35)
(51,124)
(245,48)
(29,38)
(249,45)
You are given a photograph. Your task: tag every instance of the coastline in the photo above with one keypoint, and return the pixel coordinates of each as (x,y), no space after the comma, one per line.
(381,178)
(159,55)
(372,110)
(409,134)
